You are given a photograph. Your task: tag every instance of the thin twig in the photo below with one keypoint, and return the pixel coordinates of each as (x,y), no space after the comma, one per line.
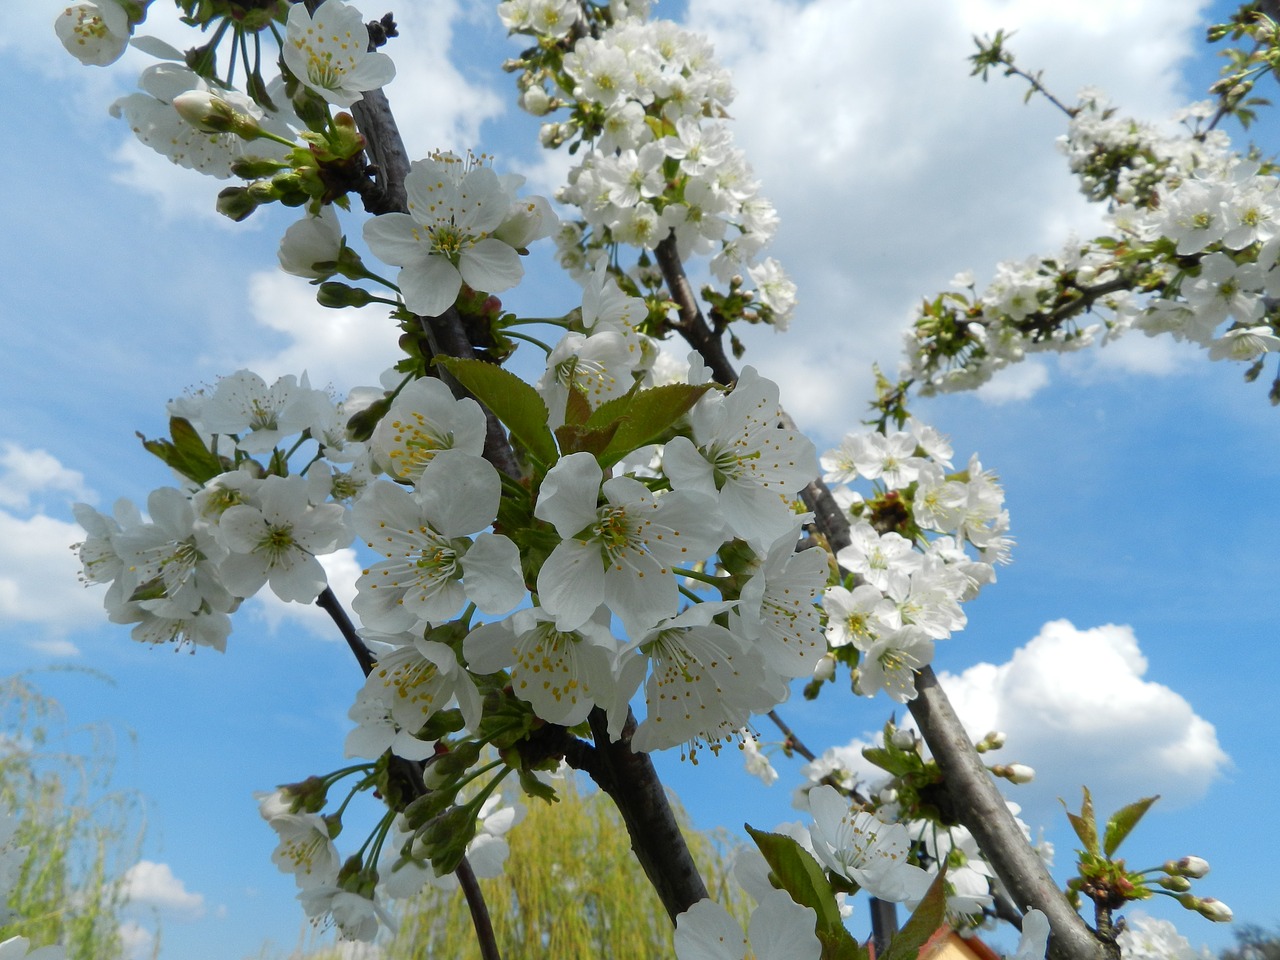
(479,911)
(328,602)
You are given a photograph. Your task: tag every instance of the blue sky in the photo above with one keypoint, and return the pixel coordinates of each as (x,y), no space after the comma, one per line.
(1130,645)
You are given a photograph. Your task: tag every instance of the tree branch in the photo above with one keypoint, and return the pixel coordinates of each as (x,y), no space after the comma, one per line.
(982,809)
(630,779)
(984,812)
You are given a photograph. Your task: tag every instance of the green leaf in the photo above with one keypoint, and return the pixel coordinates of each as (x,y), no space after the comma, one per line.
(795,871)
(1085,825)
(928,916)
(512,401)
(1122,822)
(895,763)
(187,453)
(578,439)
(644,416)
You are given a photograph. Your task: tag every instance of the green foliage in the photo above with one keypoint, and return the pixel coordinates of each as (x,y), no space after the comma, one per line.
(79,837)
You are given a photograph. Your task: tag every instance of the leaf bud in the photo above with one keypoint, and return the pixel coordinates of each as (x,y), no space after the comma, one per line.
(336,295)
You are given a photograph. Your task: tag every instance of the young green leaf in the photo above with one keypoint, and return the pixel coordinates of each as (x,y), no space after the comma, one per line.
(1122,822)
(795,871)
(1085,825)
(187,453)
(924,922)
(512,401)
(644,416)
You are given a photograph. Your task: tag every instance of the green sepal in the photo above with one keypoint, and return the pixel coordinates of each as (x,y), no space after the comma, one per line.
(186,453)
(1085,825)
(1122,822)
(643,416)
(535,787)
(512,401)
(924,922)
(794,870)
(506,720)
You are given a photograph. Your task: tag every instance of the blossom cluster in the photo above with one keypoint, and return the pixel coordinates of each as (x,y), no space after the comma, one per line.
(908,560)
(1192,250)
(179,571)
(646,100)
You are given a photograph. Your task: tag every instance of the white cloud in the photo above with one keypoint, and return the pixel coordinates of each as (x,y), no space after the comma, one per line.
(345,348)
(1075,707)
(138,942)
(26,472)
(39,575)
(436,107)
(1134,354)
(1022,381)
(892,169)
(152,884)
(343,569)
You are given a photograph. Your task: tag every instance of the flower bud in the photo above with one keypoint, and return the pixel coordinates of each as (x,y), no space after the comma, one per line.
(336,295)
(236,203)
(1175,884)
(536,101)
(825,668)
(1014,772)
(210,113)
(1207,907)
(903,739)
(994,740)
(1193,867)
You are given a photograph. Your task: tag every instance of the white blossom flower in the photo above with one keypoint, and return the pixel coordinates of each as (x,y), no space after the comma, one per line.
(95,33)
(742,455)
(777,609)
(619,554)
(277,539)
(861,848)
(328,51)
(705,682)
(424,419)
(433,566)
(562,674)
(447,237)
(779,929)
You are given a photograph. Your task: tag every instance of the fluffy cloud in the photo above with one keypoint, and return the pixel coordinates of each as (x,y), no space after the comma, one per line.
(152,884)
(345,348)
(892,169)
(1075,707)
(24,473)
(39,573)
